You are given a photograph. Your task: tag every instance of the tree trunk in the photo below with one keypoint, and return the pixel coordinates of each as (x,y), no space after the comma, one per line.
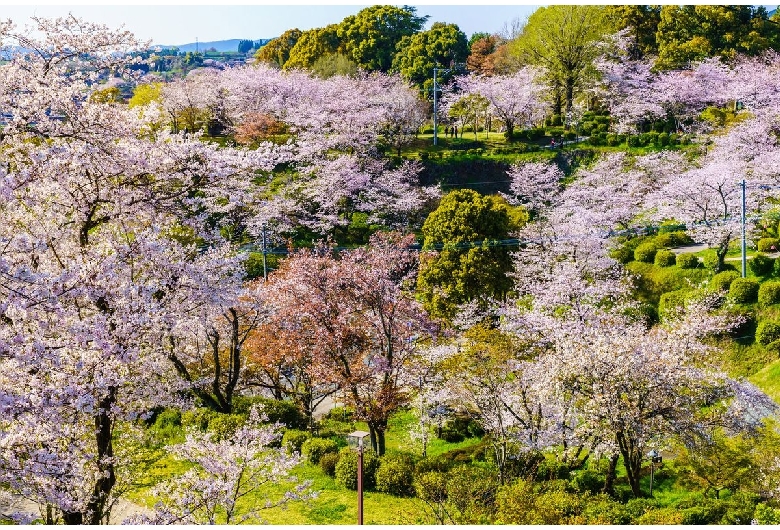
(632,459)
(377,430)
(510,129)
(609,482)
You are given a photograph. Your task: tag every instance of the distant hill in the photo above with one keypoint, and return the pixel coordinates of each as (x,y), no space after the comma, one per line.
(220,45)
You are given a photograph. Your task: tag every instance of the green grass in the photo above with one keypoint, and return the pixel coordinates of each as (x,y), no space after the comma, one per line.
(768,380)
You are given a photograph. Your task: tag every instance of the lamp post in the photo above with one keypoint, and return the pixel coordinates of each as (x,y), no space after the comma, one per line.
(355,440)
(655,458)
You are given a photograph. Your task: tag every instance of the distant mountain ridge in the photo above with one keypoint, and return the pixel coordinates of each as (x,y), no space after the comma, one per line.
(220,45)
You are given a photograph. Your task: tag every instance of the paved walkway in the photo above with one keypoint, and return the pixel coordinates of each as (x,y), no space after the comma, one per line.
(121,511)
(698,247)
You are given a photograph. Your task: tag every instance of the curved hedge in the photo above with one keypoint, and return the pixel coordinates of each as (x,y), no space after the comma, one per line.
(744,290)
(346,469)
(722,280)
(768,244)
(761,265)
(646,252)
(395,475)
(315,448)
(665,258)
(769,293)
(767,332)
(687,260)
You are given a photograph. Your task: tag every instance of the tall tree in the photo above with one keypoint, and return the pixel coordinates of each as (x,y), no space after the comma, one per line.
(563,40)
(370,37)
(642,25)
(443,45)
(277,51)
(692,33)
(467,258)
(312,45)
(358,320)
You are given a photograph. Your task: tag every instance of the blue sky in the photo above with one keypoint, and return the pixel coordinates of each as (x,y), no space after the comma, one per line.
(181,24)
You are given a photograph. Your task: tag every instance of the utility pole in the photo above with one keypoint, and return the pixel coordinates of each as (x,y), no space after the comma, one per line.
(265,266)
(435,107)
(744,242)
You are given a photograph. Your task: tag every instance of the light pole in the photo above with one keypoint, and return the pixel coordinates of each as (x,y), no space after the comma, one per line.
(355,440)
(655,458)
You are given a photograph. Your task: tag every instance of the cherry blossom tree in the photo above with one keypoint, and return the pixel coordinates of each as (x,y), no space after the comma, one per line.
(110,246)
(225,471)
(517,100)
(359,322)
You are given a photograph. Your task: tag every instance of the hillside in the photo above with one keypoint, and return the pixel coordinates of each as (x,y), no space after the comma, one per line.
(230,45)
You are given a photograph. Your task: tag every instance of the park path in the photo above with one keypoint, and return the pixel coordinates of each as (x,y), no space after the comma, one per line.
(121,511)
(698,247)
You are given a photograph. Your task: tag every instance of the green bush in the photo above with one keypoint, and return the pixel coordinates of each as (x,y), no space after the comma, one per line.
(687,260)
(710,261)
(197,418)
(769,293)
(285,412)
(767,332)
(766,514)
(340,414)
(224,426)
(663,139)
(672,301)
(432,463)
(314,448)
(743,290)
(346,469)
(645,252)
(293,439)
(394,475)
(328,463)
(588,481)
(168,418)
(665,258)
(761,264)
(768,244)
(674,238)
(722,280)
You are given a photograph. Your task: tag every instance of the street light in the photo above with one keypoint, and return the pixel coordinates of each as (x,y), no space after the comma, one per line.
(655,458)
(355,441)
(436,70)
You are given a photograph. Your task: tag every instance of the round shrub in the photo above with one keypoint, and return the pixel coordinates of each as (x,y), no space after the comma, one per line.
(293,439)
(346,469)
(328,463)
(767,331)
(168,418)
(665,258)
(646,252)
(285,412)
(769,293)
(224,426)
(743,290)
(314,448)
(432,463)
(198,418)
(722,280)
(672,301)
(768,244)
(394,475)
(761,264)
(687,260)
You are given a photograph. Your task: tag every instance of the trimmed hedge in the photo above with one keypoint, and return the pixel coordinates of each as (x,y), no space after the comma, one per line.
(665,258)
(646,252)
(687,260)
(768,244)
(293,439)
(761,265)
(395,475)
(328,463)
(767,332)
(744,290)
(285,412)
(314,448)
(671,301)
(346,469)
(769,293)
(722,280)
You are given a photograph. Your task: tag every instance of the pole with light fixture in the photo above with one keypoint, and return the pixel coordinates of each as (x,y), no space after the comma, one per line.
(355,441)
(655,458)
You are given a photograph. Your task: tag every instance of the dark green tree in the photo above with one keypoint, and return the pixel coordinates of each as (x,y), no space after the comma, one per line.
(642,25)
(369,38)
(693,32)
(442,45)
(467,259)
(313,45)
(245,45)
(278,50)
